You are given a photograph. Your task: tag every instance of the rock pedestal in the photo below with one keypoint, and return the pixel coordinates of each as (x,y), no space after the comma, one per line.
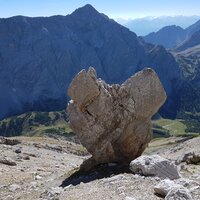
(114,121)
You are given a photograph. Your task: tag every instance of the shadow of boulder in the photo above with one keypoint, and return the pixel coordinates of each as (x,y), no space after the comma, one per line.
(99,172)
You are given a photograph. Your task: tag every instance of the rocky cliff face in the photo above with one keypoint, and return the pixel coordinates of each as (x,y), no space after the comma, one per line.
(40,56)
(193,28)
(189,62)
(193,41)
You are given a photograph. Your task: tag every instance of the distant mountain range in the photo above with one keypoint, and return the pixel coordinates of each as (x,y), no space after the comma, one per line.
(40,56)
(184,44)
(173,36)
(146,25)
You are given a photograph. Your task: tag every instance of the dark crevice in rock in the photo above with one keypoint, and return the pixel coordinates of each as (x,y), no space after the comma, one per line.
(89,113)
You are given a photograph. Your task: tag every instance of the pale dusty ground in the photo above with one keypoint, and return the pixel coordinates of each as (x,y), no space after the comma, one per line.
(52,161)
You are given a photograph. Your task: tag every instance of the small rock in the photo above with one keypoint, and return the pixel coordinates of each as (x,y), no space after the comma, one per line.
(136,176)
(54,191)
(154,165)
(121,189)
(122,194)
(33,185)
(189,184)
(157,178)
(2,186)
(37,145)
(114,178)
(38,177)
(30,154)
(9,197)
(14,187)
(129,198)
(191,158)
(26,158)
(19,158)
(65,188)
(179,194)
(165,186)
(7,161)
(81,183)
(195,189)
(18,150)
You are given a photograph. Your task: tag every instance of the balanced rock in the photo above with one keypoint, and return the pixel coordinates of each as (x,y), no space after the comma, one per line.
(154,165)
(114,121)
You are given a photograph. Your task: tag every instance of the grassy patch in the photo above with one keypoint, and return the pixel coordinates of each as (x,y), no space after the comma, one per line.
(159,131)
(175,127)
(36,124)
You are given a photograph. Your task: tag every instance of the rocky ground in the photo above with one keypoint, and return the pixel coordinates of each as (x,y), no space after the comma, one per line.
(44,168)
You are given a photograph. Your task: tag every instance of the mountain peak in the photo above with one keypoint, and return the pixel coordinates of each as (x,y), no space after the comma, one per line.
(87,9)
(88,13)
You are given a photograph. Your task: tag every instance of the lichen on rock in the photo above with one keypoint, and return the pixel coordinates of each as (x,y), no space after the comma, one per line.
(114,121)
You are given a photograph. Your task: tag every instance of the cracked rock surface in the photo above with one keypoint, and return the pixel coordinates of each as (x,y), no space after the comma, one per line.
(114,121)
(155,165)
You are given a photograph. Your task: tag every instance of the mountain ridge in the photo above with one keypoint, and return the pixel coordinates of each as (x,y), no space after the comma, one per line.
(168,36)
(190,42)
(47,52)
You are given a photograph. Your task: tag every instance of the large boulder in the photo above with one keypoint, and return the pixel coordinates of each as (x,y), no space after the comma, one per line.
(114,121)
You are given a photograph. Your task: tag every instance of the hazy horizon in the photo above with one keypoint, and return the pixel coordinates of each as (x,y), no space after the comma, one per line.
(146,25)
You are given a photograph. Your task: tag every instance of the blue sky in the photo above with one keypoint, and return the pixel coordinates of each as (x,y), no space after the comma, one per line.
(112,8)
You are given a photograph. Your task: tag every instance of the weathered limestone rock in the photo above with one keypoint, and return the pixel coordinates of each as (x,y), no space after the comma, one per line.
(188,183)
(154,165)
(114,121)
(179,194)
(165,186)
(191,158)
(7,161)
(182,184)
